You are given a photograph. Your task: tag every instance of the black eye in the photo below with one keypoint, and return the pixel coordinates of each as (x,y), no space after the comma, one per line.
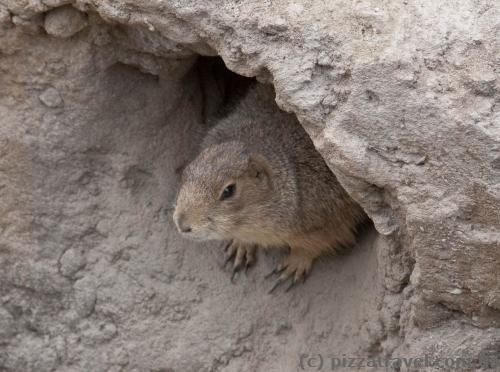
(228,192)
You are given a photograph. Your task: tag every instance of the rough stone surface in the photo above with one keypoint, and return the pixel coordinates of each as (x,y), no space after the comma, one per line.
(400,98)
(64,21)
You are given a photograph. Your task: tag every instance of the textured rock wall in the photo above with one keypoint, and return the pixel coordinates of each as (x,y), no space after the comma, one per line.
(101,102)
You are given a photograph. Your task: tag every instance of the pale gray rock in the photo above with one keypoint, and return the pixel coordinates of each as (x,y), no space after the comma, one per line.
(64,21)
(71,261)
(51,98)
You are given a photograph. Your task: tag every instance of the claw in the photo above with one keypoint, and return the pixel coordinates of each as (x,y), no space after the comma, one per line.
(229,253)
(233,276)
(291,285)
(227,258)
(236,269)
(271,273)
(276,285)
(241,256)
(276,270)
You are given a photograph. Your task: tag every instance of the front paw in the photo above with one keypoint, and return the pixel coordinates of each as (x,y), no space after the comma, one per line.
(295,267)
(242,255)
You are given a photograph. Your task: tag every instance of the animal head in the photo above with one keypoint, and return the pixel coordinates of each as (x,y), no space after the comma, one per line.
(221,192)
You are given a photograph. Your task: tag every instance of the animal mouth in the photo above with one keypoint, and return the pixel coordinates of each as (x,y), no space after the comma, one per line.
(200,235)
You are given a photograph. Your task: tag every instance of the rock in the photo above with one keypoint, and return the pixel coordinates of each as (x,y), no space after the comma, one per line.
(484,82)
(51,98)
(64,21)
(71,261)
(97,332)
(85,296)
(31,25)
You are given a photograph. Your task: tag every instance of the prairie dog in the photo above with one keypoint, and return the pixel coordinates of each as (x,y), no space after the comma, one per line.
(258,181)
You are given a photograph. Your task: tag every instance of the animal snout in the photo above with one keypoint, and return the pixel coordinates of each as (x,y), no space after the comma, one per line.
(182,224)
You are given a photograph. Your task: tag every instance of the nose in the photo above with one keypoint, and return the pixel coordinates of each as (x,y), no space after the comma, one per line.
(180,221)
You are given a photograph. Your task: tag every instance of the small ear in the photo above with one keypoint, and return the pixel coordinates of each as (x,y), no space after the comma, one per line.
(258,166)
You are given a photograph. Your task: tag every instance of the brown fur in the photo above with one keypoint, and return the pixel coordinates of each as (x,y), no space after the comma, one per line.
(285,193)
